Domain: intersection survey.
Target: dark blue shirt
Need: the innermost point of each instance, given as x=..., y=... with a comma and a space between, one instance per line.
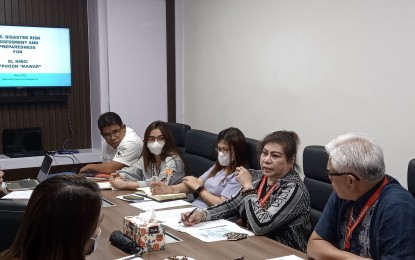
x=386, y=232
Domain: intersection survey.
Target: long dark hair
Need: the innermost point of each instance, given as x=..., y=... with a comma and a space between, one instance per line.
x=237, y=144
x=289, y=141
x=62, y=214
x=169, y=148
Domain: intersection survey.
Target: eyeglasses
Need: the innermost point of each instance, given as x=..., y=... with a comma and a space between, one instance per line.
x=224, y=150
x=115, y=133
x=329, y=174
x=152, y=139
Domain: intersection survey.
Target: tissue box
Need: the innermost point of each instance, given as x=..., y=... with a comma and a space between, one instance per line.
x=150, y=236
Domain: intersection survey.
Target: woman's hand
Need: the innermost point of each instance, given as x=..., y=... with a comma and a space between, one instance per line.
x=244, y=177
x=117, y=182
x=191, y=182
x=115, y=175
x=193, y=219
x=1, y=176
x=158, y=188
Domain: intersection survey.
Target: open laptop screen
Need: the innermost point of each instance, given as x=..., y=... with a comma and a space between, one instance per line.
x=44, y=168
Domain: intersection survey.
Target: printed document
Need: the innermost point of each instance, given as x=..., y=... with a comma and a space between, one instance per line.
x=209, y=231
x=147, y=205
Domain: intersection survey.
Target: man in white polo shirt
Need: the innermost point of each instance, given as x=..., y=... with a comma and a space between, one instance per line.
x=122, y=146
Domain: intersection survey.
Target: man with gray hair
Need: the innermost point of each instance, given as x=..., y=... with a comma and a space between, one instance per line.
x=369, y=214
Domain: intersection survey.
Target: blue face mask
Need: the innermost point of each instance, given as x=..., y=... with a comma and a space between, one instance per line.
x=96, y=240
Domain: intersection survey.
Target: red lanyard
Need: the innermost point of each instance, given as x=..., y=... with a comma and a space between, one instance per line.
x=351, y=227
x=261, y=188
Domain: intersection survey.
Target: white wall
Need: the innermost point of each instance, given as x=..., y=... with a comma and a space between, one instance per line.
x=98, y=62
x=320, y=68
x=128, y=46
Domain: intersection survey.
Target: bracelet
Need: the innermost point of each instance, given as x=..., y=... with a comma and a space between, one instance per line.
x=249, y=192
x=204, y=214
x=199, y=190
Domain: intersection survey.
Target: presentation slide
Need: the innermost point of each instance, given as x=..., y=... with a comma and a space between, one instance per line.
x=34, y=57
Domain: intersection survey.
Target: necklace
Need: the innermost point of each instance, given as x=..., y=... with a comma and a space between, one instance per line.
x=155, y=171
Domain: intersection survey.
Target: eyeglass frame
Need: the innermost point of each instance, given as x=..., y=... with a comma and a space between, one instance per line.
x=224, y=150
x=329, y=174
x=159, y=139
x=115, y=133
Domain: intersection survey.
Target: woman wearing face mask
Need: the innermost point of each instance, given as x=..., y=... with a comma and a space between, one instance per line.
x=273, y=201
x=218, y=183
x=160, y=161
x=61, y=221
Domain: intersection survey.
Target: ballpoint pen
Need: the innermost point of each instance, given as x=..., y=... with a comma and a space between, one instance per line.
x=188, y=215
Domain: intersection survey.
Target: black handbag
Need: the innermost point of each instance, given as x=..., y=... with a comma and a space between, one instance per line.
x=125, y=243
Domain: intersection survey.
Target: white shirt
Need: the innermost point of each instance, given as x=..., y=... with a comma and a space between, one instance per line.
x=127, y=152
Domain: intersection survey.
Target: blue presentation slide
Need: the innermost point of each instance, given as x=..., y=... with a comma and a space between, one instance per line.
x=34, y=57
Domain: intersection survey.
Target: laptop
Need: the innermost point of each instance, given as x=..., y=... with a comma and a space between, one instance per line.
x=30, y=184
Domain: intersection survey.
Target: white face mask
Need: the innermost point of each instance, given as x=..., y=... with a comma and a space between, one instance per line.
x=155, y=147
x=96, y=240
x=224, y=159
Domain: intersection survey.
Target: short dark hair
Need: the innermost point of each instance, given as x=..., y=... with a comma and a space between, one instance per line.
x=289, y=141
x=62, y=214
x=108, y=119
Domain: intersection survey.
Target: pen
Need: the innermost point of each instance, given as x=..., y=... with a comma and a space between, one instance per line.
x=188, y=215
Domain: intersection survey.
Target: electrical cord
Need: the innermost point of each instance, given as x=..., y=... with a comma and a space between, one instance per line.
x=64, y=150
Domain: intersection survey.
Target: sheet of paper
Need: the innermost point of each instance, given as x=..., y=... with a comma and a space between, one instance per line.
x=104, y=185
x=288, y=257
x=147, y=205
x=209, y=231
x=130, y=257
x=171, y=214
x=24, y=194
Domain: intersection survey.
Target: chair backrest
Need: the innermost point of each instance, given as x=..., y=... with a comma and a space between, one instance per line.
x=253, y=158
x=179, y=133
x=411, y=177
x=317, y=182
x=11, y=214
x=199, y=152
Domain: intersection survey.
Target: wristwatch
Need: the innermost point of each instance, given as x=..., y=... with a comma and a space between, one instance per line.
x=199, y=190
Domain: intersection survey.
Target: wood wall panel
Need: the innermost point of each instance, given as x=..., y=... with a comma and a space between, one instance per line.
x=57, y=119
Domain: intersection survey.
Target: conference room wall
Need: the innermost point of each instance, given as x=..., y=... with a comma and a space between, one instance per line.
x=128, y=62
x=320, y=68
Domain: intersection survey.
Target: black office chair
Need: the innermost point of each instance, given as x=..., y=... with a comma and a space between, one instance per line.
x=411, y=177
x=179, y=132
x=253, y=158
x=199, y=152
x=11, y=214
x=317, y=182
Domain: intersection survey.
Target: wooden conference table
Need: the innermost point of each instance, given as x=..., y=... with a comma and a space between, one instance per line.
x=255, y=247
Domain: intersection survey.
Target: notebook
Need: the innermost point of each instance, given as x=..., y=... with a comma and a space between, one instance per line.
x=164, y=197
x=30, y=184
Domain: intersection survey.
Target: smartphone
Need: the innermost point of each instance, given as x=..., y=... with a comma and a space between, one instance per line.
x=132, y=197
